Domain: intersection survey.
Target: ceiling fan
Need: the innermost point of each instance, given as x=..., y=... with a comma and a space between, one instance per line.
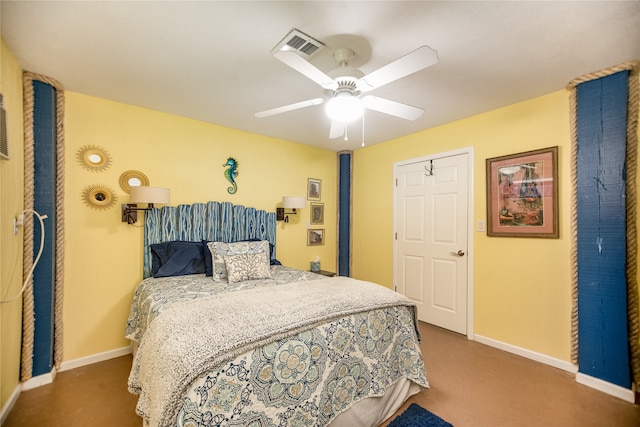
x=344, y=87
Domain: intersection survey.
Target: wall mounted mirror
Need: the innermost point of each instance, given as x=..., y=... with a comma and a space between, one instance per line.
x=132, y=178
x=98, y=197
x=93, y=158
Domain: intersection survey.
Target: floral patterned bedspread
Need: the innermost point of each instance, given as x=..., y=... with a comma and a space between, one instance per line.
x=310, y=378
x=154, y=295
x=303, y=380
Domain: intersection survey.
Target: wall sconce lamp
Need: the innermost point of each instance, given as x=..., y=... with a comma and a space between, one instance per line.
x=143, y=194
x=290, y=202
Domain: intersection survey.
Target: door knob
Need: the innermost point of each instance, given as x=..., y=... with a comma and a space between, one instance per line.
x=459, y=253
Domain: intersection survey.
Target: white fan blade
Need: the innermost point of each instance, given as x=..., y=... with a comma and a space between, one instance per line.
x=306, y=68
x=337, y=129
x=290, y=107
x=393, y=108
x=417, y=60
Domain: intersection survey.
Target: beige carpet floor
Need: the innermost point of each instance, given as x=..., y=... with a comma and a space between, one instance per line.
x=471, y=385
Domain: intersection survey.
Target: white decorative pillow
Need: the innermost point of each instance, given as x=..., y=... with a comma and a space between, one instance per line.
x=247, y=267
x=220, y=249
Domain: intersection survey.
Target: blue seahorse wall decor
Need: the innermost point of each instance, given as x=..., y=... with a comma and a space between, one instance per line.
x=231, y=173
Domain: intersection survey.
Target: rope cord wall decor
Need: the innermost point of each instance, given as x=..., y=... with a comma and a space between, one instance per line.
x=633, y=105
x=28, y=300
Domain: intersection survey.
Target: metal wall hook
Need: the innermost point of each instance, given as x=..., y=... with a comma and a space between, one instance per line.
x=429, y=171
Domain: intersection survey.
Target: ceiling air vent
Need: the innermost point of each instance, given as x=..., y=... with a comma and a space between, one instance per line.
x=297, y=41
x=4, y=142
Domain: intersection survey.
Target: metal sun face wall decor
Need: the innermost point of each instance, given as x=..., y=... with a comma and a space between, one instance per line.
x=93, y=158
x=97, y=159
x=132, y=178
x=99, y=197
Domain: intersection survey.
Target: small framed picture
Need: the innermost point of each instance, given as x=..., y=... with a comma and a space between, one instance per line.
x=314, y=189
x=317, y=213
x=315, y=237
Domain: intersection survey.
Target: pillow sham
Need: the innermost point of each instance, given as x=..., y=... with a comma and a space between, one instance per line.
x=176, y=258
x=208, y=257
x=220, y=249
x=246, y=267
x=158, y=256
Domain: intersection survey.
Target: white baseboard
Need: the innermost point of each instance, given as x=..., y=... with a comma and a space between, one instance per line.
x=595, y=383
x=538, y=357
x=606, y=387
x=10, y=404
x=94, y=358
x=40, y=380
x=48, y=378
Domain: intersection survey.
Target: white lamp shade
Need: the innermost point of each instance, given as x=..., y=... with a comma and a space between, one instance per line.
x=344, y=108
x=292, y=202
x=144, y=194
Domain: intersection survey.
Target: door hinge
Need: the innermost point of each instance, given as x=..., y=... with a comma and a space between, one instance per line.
x=396, y=235
x=396, y=182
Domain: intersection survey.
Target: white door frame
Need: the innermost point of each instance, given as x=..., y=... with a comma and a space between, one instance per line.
x=470, y=223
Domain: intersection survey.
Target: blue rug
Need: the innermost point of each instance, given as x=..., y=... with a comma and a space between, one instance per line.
x=417, y=416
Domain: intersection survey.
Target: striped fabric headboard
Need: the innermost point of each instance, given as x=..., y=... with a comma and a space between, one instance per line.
x=217, y=221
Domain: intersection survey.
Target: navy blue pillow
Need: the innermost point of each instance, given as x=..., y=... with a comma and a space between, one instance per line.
x=208, y=261
x=156, y=260
x=176, y=258
x=159, y=255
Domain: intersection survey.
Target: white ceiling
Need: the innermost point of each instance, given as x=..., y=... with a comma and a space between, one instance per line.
x=211, y=60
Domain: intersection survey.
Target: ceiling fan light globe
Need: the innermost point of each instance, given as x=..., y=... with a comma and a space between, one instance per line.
x=344, y=109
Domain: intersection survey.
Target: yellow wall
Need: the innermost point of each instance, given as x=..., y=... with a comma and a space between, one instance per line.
x=512, y=304
x=103, y=260
x=11, y=189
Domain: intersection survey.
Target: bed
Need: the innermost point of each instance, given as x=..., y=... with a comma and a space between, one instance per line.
x=247, y=341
